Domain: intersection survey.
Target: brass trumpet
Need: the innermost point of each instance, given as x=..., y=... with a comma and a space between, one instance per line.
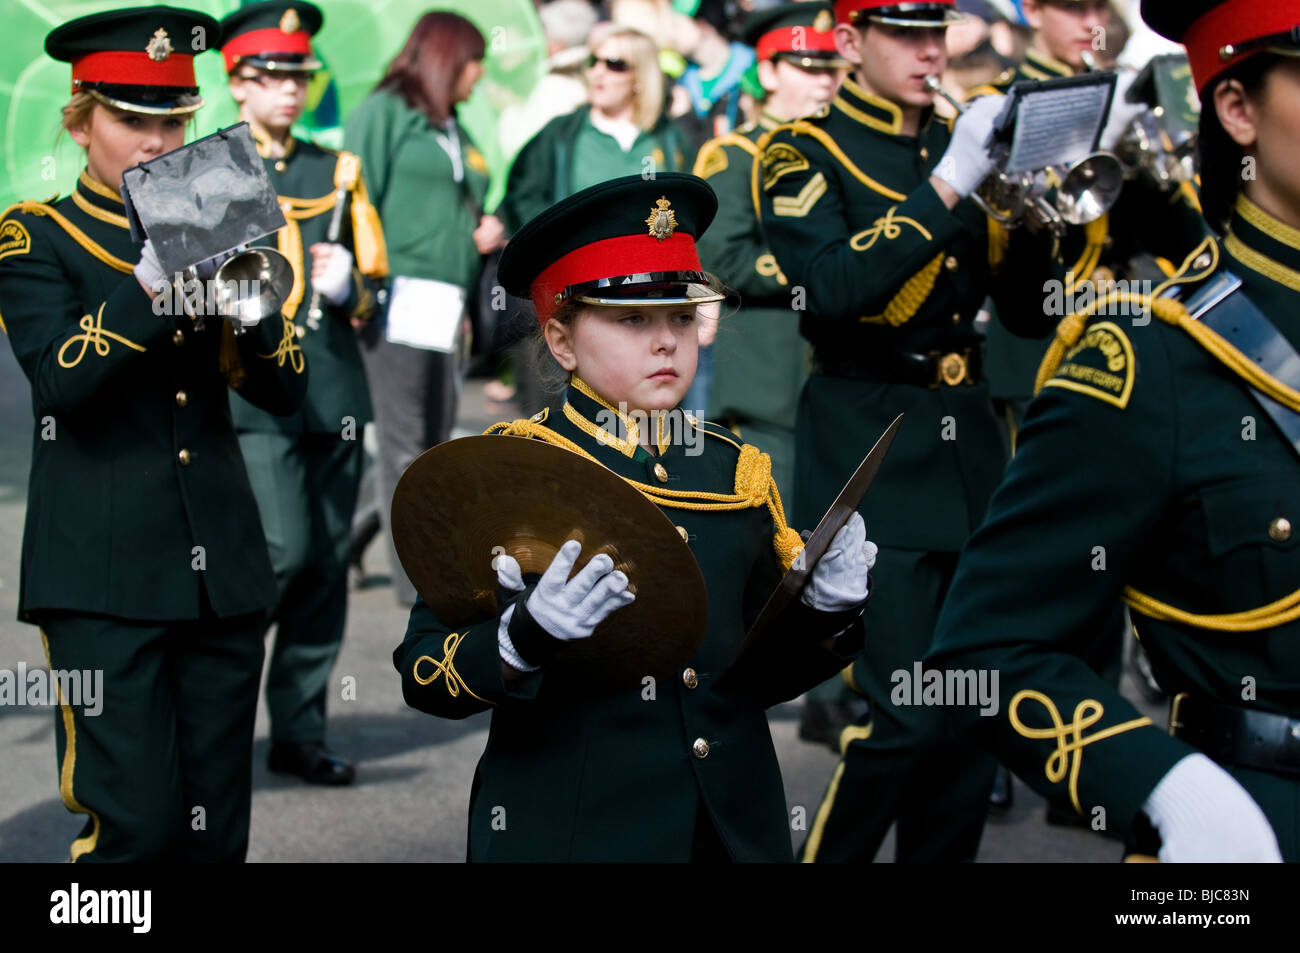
x=1085, y=189
x=1147, y=149
x=253, y=285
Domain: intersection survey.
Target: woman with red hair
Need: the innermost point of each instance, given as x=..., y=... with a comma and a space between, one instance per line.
x=427, y=180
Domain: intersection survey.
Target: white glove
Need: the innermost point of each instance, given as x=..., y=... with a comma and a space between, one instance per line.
x=839, y=580
x=1203, y=814
x=511, y=577
x=565, y=610
x=1122, y=112
x=335, y=281
x=967, y=162
x=148, y=270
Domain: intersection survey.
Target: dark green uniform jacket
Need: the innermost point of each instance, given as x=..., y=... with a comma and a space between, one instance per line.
x=429, y=218
x=589, y=777
x=886, y=269
x=546, y=169
x=759, y=358
x=1144, y=219
x=1144, y=464
x=134, y=459
x=304, y=180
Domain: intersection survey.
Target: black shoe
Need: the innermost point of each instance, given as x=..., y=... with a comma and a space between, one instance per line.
x=315, y=764
x=1003, y=794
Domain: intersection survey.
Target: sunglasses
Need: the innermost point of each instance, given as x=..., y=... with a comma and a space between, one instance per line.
x=613, y=65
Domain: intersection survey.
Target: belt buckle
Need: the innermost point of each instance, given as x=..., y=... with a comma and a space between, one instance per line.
x=1174, y=706
x=951, y=368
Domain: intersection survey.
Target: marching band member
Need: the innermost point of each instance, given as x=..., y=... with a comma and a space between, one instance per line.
x=305, y=469
x=591, y=775
x=143, y=556
x=1158, y=466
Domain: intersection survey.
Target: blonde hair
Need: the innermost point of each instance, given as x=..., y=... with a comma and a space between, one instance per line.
x=648, y=84
x=77, y=111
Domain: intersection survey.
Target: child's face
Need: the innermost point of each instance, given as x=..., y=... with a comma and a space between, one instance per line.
x=641, y=356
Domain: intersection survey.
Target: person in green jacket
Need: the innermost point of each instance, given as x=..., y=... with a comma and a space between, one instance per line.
x=584, y=772
x=1158, y=467
x=305, y=469
x=428, y=182
x=622, y=131
x=143, y=559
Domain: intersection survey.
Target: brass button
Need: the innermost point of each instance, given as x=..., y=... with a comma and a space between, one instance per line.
x=279, y=166
x=660, y=473
x=681, y=531
x=1202, y=261
x=1280, y=529
x=956, y=319
x=950, y=263
x=178, y=338
x=690, y=679
x=300, y=331
x=184, y=457
x=700, y=749
x=182, y=398
x=925, y=153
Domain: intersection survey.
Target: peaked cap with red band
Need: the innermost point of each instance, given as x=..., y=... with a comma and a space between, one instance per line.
x=139, y=59
x=274, y=35
x=1219, y=35
x=626, y=241
x=799, y=31
x=931, y=13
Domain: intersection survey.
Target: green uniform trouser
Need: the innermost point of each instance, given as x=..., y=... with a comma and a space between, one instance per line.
x=162, y=763
x=900, y=766
x=306, y=489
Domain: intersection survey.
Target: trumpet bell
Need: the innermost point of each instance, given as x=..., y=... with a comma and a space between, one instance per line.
x=1089, y=189
x=253, y=285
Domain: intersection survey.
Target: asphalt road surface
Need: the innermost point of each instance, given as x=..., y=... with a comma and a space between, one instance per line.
x=413, y=771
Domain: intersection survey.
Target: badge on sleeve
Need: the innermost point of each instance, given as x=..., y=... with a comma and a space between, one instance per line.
x=780, y=159
x=1100, y=365
x=14, y=239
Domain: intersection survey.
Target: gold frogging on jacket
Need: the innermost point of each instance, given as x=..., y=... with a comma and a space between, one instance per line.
x=886, y=225
x=93, y=333
x=446, y=668
x=1070, y=739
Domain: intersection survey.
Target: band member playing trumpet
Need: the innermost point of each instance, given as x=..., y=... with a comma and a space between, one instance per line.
x=688, y=771
x=143, y=557
x=1158, y=466
x=306, y=469
x=1145, y=220
x=864, y=208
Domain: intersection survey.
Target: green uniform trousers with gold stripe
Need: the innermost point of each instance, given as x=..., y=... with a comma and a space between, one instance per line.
x=896, y=765
x=163, y=769
x=306, y=489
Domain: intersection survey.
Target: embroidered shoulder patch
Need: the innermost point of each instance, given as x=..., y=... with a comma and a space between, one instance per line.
x=715, y=161
x=14, y=239
x=1101, y=365
x=780, y=159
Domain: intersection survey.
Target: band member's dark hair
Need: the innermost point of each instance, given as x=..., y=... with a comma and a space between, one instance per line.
x=1220, y=157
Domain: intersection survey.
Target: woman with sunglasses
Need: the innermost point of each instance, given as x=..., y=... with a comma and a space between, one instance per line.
x=428, y=182
x=1158, y=466
x=143, y=561
x=622, y=131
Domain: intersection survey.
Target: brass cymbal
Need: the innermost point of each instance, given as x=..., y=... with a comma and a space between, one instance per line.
x=464, y=502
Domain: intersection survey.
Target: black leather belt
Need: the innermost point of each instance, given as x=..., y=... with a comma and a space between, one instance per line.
x=934, y=369
x=1242, y=737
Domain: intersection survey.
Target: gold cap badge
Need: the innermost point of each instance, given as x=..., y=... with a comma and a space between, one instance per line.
x=823, y=22
x=662, y=220
x=160, y=47
x=289, y=23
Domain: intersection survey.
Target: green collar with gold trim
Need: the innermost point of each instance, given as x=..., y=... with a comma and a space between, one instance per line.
x=1264, y=244
x=610, y=425
x=873, y=111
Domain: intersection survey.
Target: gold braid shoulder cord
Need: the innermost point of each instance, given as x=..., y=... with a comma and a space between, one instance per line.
x=754, y=485
x=1170, y=311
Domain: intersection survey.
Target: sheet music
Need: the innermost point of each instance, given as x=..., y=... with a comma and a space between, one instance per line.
x=1056, y=126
